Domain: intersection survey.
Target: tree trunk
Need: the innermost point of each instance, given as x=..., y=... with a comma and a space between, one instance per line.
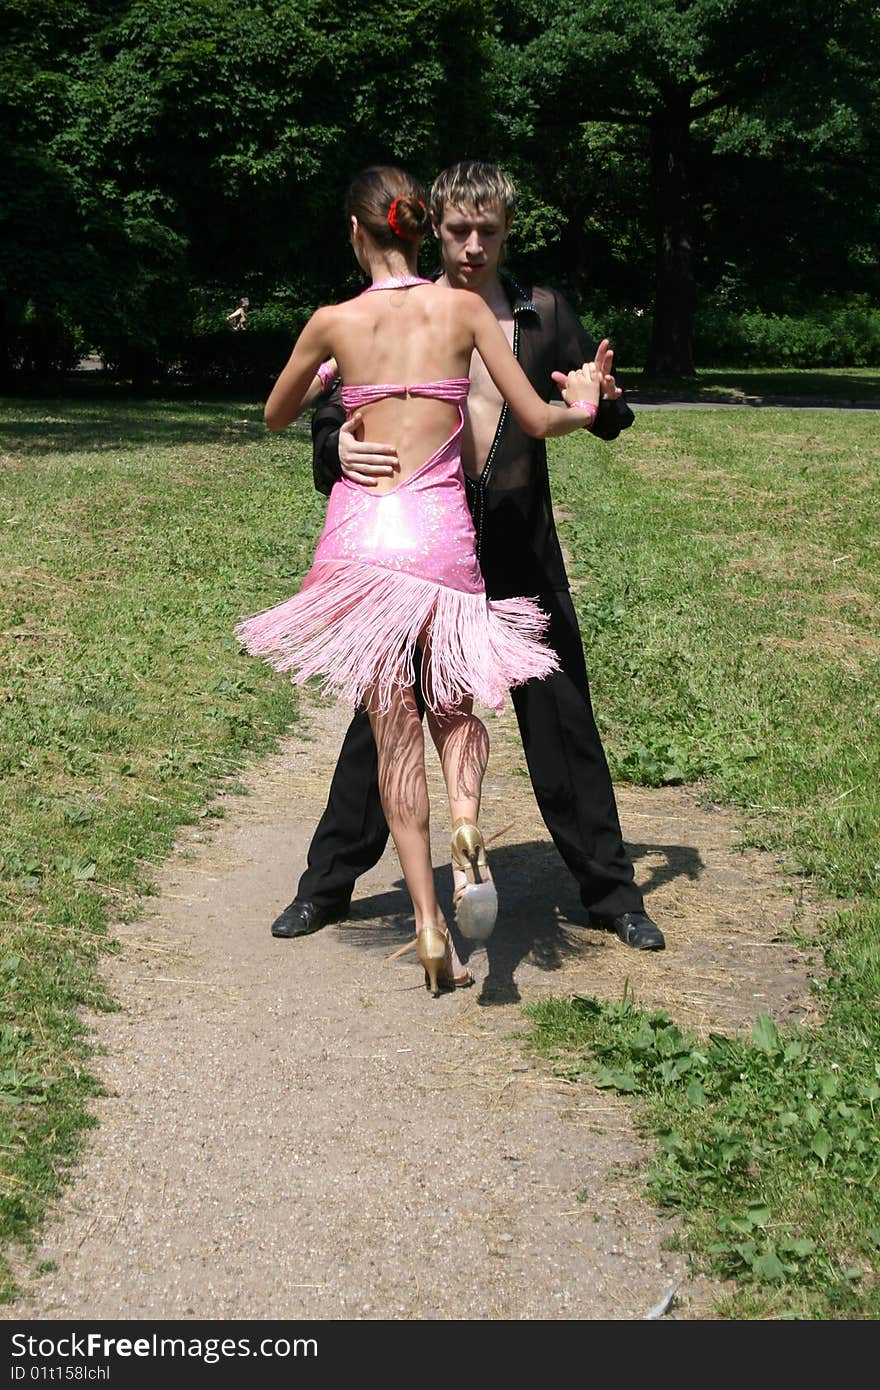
x=671, y=352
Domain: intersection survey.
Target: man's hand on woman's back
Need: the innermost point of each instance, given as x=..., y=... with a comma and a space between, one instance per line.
x=364, y=460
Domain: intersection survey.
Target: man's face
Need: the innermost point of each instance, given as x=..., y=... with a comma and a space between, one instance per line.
x=470, y=243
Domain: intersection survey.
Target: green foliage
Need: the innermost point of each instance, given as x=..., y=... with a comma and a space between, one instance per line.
x=686, y=147
x=212, y=354
x=202, y=149
x=159, y=155
x=769, y=1143
x=629, y=330
x=728, y=580
x=827, y=337
x=830, y=335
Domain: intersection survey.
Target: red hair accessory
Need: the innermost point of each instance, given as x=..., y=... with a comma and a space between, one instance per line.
x=394, y=221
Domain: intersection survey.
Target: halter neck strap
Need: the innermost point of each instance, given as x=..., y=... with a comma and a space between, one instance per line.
x=396, y=282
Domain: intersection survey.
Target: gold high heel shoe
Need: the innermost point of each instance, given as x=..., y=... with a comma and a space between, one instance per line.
x=476, y=900
x=432, y=949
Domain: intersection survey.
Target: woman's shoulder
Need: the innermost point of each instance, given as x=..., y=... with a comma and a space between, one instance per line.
x=346, y=311
x=455, y=296
x=462, y=304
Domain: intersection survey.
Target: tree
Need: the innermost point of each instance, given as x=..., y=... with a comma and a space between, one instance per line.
x=238, y=126
x=201, y=148
x=699, y=82
x=46, y=263
x=162, y=157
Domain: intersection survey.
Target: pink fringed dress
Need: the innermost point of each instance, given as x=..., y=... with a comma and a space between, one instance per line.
x=396, y=566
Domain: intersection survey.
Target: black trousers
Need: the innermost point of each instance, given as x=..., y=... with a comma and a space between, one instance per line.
x=566, y=763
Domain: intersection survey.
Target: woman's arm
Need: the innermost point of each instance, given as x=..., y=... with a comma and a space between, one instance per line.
x=320, y=385
x=536, y=417
x=289, y=394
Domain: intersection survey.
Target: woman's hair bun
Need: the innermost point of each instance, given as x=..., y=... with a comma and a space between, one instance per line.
x=408, y=217
x=389, y=203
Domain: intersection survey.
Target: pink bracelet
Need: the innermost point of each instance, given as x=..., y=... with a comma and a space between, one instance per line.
x=586, y=405
x=326, y=376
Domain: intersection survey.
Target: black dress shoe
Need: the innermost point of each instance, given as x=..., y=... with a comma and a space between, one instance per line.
x=302, y=916
x=634, y=929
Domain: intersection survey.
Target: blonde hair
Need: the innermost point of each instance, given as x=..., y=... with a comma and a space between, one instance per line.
x=475, y=184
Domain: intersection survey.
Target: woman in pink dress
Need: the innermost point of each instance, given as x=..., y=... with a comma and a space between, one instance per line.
x=396, y=565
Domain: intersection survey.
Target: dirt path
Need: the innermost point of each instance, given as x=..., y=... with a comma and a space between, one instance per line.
x=295, y=1129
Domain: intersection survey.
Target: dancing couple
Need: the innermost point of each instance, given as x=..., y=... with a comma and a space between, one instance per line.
x=394, y=612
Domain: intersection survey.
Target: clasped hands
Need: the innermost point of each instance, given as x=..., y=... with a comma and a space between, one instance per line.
x=364, y=461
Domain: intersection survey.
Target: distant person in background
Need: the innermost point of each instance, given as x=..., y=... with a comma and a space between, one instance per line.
x=238, y=317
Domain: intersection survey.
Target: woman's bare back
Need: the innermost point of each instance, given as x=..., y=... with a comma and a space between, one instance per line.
x=424, y=333
x=402, y=337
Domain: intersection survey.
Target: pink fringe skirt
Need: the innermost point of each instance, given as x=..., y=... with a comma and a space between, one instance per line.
x=357, y=626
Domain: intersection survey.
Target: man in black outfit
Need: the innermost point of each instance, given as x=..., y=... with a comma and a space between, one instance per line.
x=508, y=488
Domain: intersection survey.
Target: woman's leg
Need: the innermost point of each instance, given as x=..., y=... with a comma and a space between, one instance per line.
x=462, y=741
x=403, y=788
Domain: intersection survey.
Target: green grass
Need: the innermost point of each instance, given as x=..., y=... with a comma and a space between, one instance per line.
x=730, y=607
x=768, y=1145
x=843, y=384
x=729, y=591
x=133, y=536
x=729, y=600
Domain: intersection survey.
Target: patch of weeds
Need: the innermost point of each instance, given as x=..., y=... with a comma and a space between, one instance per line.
x=656, y=763
x=769, y=1144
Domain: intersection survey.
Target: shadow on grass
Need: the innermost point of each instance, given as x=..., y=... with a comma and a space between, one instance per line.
x=541, y=914
x=63, y=426
x=756, y=387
